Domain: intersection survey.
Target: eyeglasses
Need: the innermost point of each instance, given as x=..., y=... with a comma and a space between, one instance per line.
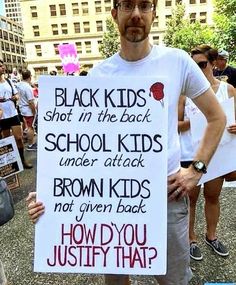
x=202, y=64
x=128, y=7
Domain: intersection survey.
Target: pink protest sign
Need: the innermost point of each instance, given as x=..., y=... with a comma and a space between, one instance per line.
x=68, y=54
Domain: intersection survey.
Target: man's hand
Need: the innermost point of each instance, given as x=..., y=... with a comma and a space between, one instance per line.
x=181, y=183
x=232, y=129
x=35, y=209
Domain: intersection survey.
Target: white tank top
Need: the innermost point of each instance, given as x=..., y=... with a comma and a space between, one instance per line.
x=187, y=152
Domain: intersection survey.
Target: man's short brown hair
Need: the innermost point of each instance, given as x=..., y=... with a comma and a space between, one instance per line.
x=115, y=1
x=26, y=74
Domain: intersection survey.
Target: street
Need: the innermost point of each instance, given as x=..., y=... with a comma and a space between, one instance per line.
x=16, y=239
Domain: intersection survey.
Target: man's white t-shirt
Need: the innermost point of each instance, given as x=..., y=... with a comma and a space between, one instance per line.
x=181, y=72
x=26, y=95
x=8, y=107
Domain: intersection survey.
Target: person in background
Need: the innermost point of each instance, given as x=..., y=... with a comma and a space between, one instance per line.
x=205, y=57
x=27, y=107
x=138, y=57
x=222, y=70
x=15, y=76
x=83, y=73
x=53, y=72
x=10, y=123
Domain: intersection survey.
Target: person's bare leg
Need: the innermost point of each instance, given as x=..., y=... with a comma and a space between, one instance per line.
x=212, y=191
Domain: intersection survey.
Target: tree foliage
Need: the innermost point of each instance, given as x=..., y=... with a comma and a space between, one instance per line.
x=110, y=41
x=225, y=26
x=181, y=33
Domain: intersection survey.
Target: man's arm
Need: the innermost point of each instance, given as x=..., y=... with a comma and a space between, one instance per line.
x=186, y=179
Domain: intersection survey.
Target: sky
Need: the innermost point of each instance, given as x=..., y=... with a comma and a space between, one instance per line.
x=2, y=11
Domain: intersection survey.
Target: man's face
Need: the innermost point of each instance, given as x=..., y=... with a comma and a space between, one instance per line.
x=134, y=19
x=2, y=68
x=221, y=63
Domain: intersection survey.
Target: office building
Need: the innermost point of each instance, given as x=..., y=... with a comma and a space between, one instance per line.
x=49, y=23
x=12, y=50
x=13, y=10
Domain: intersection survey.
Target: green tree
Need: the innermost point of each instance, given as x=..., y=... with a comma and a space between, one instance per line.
x=181, y=33
x=110, y=41
x=225, y=26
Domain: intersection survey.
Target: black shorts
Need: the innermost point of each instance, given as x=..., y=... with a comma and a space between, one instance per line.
x=185, y=164
x=6, y=124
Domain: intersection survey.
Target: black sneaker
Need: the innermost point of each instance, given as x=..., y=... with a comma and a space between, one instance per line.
x=195, y=252
x=217, y=246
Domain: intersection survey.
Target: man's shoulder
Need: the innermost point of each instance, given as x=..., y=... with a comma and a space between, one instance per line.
x=104, y=65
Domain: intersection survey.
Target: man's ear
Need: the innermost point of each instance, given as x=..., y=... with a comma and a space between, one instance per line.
x=114, y=14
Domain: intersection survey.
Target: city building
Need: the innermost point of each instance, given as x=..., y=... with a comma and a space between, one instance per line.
x=13, y=10
x=12, y=50
x=49, y=23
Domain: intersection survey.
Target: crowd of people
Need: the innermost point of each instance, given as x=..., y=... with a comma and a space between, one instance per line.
x=199, y=86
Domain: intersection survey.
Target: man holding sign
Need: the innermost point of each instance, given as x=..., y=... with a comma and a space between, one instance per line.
x=181, y=75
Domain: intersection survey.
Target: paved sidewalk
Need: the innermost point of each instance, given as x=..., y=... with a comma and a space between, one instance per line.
x=16, y=246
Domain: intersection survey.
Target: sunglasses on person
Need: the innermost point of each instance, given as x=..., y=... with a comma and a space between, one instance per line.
x=202, y=64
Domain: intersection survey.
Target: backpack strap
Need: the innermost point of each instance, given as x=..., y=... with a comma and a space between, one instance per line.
x=9, y=82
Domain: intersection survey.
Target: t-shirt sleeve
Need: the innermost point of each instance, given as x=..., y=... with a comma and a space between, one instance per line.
x=29, y=93
x=194, y=82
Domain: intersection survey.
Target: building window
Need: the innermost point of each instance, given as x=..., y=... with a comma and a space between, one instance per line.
x=10, y=36
x=156, y=22
x=62, y=9
x=56, y=48
x=156, y=40
x=64, y=29
x=55, y=29
x=178, y=1
x=5, y=35
x=77, y=28
x=79, y=47
x=38, y=50
x=88, y=47
x=16, y=39
x=75, y=8
x=33, y=10
x=7, y=47
x=14, y=59
x=168, y=17
x=168, y=3
x=203, y=1
x=192, y=1
x=36, y=31
x=107, y=5
x=53, y=10
x=98, y=7
x=40, y=71
x=13, y=49
x=85, y=9
x=99, y=26
x=86, y=27
x=192, y=17
x=203, y=17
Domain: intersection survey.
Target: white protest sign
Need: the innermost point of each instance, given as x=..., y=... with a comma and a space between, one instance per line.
x=102, y=175
x=224, y=159
x=10, y=161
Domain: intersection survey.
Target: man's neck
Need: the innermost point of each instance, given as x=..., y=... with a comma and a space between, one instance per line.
x=135, y=51
x=2, y=79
